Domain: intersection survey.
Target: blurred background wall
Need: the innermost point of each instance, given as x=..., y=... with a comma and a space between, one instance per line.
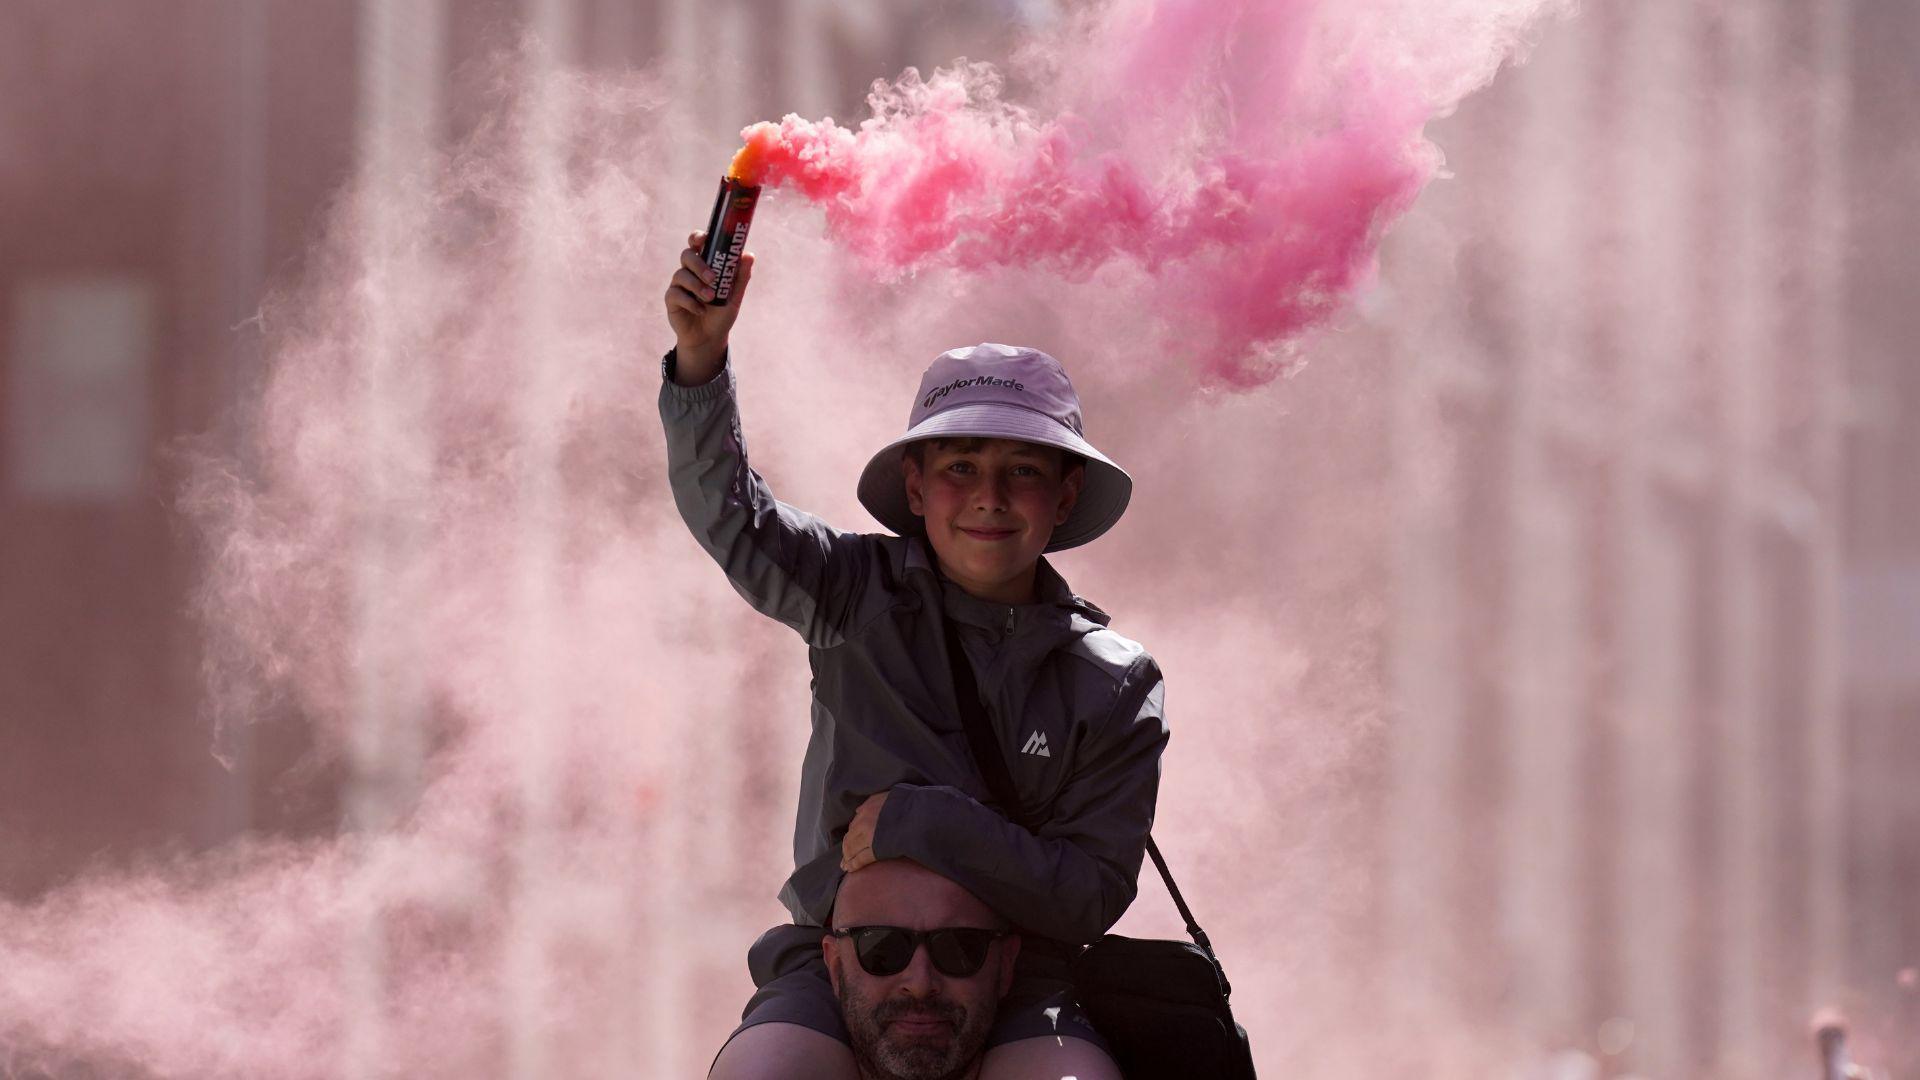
x=1652, y=579
x=1656, y=564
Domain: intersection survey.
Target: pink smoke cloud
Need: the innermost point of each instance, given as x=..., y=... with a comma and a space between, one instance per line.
x=1247, y=156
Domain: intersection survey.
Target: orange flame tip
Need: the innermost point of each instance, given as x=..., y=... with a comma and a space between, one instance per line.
x=750, y=164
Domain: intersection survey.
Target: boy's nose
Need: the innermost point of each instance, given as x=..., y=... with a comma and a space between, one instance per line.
x=991, y=494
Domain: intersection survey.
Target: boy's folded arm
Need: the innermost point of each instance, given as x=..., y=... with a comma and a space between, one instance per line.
x=788, y=563
x=1075, y=877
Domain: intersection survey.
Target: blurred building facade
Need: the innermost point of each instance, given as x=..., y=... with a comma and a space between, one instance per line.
x=1657, y=701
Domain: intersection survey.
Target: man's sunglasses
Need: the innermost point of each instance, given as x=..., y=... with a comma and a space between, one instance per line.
x=956, y=951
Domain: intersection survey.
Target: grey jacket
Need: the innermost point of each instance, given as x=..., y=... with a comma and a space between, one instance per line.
x=1076, y=707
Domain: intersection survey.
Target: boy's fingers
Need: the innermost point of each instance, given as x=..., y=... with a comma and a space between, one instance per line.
x=678, y=297
x=692, y=283
x=695, y=239
x=690, y=259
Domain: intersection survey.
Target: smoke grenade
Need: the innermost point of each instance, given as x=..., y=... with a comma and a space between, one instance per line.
x=732, y=213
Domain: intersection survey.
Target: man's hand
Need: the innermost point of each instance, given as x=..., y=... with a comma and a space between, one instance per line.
x=699, y=328
x=856, y=850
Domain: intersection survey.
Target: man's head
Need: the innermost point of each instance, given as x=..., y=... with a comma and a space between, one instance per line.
x=916, y=1021
x=990, y=507
x=1002, y=402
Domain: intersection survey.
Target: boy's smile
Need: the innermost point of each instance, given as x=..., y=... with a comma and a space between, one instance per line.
x=990, y=507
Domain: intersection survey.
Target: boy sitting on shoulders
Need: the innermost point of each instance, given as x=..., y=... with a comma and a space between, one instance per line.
x=992, y=472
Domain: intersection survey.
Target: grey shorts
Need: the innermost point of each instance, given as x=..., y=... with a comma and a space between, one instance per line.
x=791, y=983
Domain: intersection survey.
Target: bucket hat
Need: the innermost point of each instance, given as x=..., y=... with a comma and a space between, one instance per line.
x=991, y=391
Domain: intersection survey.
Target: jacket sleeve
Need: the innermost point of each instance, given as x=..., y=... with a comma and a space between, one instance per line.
x=786, y=562
x=1075, y=876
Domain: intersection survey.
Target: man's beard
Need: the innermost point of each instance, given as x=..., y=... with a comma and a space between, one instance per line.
x=896, y=1056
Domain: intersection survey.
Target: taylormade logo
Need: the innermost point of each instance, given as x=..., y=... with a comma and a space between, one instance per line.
x=939, y=392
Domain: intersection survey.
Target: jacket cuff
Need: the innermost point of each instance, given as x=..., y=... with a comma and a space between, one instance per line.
x=886, y=830
x=935, y=824
x=718, y=386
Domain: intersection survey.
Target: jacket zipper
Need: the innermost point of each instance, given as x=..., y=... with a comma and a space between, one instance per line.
x=1009, y=622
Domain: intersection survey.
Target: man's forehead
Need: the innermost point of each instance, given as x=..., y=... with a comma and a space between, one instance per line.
x=896, y=892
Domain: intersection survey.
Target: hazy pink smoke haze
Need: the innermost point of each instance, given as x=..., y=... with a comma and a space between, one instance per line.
x=446, y=545
x=1246, y=156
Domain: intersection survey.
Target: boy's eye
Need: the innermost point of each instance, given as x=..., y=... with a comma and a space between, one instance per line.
x=960, y=467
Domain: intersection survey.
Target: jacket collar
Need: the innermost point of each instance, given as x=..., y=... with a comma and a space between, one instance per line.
x=1057, y=601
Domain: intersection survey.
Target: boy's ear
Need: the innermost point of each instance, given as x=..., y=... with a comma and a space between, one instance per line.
x=915, y=498
x=1070, y=486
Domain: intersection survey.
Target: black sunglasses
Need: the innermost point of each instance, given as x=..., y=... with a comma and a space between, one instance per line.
x=956, y=951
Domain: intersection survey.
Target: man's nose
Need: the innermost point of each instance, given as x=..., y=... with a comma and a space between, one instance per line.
x=918, y=979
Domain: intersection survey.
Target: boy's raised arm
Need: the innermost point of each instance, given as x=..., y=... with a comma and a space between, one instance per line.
x=788, y=564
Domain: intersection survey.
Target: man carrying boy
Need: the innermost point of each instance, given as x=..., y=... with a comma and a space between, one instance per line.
x=992, y=472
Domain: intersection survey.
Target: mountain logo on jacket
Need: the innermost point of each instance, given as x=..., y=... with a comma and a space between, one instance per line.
x=1036, y=745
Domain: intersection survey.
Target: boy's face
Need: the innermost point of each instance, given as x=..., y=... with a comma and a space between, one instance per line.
x=990, y=507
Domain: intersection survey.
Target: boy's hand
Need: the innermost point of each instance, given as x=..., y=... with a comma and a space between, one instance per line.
x=856, y=849
x=699, y=328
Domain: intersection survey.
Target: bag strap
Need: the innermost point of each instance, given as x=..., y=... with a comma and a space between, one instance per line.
x=1198, y=935
x=993, y=766
x=973, y=717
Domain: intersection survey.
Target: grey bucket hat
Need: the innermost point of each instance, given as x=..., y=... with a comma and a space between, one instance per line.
x=994, y=391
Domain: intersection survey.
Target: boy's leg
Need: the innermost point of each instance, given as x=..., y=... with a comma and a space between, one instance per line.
x=778, y=1051
x=1042, y=1032
x=1048, y=1057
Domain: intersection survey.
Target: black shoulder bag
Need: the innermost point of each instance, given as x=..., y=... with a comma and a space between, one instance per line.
x=1161, y=1005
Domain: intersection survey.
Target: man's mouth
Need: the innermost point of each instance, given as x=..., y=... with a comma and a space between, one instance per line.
x=920, y=1025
